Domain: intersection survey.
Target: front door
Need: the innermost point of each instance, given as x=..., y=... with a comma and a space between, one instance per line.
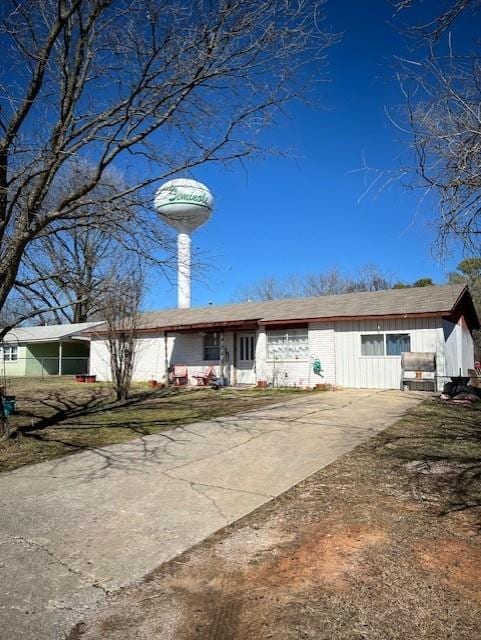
x=246, y=358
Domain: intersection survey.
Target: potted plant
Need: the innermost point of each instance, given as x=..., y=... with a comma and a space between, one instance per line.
x=152, y=384
x=90, y=378
x=80, y=377
x=262, y=384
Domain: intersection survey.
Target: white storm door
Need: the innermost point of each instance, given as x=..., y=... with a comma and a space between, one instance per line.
x=246, y=358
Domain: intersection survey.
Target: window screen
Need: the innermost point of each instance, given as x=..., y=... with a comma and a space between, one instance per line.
x=372, y=345
x=397, y=343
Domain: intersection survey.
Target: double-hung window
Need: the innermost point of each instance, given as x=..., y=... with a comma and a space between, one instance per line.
x=385, y=344
x=288, y=344
x=211, y=346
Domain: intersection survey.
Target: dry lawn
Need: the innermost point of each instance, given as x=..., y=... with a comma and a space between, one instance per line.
x=57, y=417
x=384, y=544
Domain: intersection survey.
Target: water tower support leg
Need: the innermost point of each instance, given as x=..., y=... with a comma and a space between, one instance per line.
x=183, y=270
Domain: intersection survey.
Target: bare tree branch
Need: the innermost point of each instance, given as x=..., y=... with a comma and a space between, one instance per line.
x=152, y=89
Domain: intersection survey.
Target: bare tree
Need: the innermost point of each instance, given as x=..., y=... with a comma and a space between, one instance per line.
x=271, y=288
x=445, y=16
x=152, y=88
x=330, y=282
x=121, y=321
x=70, y=271
x=442, y=86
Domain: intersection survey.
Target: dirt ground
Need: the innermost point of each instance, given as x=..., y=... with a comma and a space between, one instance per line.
x=384, y=544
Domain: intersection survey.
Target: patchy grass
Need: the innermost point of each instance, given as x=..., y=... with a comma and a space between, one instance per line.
x=382, y=544
x=58, y=417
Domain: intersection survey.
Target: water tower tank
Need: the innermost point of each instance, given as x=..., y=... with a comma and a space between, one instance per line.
x=185, y=205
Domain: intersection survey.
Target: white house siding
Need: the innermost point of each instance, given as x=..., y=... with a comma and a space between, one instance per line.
x=459, y=347
x=383, y=372
x=16, y=367
x=299, y=373
x=262, y=369
x=149, y=358
x=336, y=345
x=99, y=359
x=467, y=347
x=187, y=349
x=182, y=349
x=322, y=345
x=279, y=373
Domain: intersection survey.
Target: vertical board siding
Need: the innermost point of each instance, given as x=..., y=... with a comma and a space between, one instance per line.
x=383, y=372
x=322, y=345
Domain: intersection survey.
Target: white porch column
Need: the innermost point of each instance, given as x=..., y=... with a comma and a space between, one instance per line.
x=60, y=352
x=222, y=356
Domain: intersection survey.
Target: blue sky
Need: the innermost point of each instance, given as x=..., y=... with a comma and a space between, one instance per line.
x=306, y=213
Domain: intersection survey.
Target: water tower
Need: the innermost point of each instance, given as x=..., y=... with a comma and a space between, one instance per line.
x=183, y=204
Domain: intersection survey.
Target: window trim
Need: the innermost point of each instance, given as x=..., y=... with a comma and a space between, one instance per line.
x=384, y=334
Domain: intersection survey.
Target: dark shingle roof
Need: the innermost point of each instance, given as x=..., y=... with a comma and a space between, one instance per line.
x=416, y=301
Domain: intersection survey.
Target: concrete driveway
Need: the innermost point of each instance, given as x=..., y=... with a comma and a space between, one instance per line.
x=75, y=528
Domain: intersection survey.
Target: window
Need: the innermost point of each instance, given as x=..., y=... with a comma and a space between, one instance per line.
x=247, y=352
x=211, y=346
x=10, y=353
x=385, y=344
x=372, y=345
x=397, y=343
x=291, y=344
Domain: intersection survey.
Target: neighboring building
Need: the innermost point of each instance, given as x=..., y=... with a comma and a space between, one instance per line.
x=46, y=350
x=358, y=338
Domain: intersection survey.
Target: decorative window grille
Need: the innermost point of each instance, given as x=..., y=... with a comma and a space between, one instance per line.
x=288, y=344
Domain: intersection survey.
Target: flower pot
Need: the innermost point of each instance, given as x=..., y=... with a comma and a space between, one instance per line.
x=152, y=384
x=90, y=379
x=262, y=384
x=80, y=378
